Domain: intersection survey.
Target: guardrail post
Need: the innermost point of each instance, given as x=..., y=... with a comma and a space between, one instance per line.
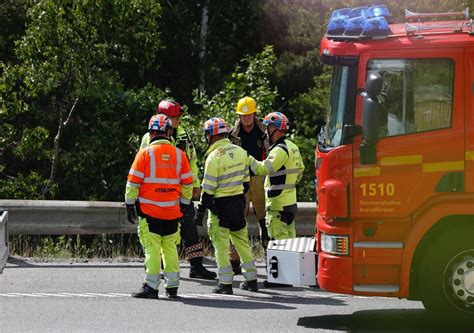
x=3, y=239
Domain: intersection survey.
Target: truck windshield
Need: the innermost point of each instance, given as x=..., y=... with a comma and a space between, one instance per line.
x=337, y=106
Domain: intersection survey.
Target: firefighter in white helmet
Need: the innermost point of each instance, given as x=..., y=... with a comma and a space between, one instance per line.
x=283, y=169
x=159, y=186
x=189, y=233
x=225, y=181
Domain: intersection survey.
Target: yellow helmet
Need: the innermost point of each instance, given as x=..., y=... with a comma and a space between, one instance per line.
x=246, y=106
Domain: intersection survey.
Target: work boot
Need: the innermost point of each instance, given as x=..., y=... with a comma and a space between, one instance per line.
x=236, y=267
x=249, y=285
x=198, y=271
x=172, y=292
x=225, y=289
x=146, y=292
x=267, y=284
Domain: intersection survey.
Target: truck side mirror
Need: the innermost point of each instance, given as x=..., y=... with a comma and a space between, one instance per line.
x=370, y=119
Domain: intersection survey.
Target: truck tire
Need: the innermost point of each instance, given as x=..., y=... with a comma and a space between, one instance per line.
x=446, y=275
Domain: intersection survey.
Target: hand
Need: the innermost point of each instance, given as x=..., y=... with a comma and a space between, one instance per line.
x=196, y=193
x=132, y=216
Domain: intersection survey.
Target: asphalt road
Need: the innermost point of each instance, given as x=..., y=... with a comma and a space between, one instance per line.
x=95, y=296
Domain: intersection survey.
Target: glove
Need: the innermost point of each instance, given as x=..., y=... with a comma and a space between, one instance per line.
x=185, y=211
x=132, y=216
x=199, y=216
x=207, y=201
x=184, y=208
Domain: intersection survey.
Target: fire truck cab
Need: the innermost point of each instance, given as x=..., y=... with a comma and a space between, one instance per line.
x=395, y=161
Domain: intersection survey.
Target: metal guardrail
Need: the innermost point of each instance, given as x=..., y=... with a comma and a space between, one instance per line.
x=3, y=239
x=51, y=217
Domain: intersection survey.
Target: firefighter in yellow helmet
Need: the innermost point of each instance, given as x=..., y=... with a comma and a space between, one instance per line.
x=250, y=134
x=226, y=176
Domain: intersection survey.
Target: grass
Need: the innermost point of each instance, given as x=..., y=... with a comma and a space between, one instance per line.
x=104, y=246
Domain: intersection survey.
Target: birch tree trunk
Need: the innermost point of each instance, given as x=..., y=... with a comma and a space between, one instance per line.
x=202, y=45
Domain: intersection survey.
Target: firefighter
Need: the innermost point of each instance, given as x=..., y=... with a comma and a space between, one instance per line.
x=158, y=189
x=225, y=181
x=250, y=134
x=189, y=233
x=283, y=169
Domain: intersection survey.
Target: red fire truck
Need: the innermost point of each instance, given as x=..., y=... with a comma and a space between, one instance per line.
x=395, y=161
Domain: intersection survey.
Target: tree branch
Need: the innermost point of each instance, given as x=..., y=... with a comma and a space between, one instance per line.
x=55, y=159
x=68, y=119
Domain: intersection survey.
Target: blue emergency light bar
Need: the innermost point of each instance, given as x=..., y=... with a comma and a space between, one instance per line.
x=360, y=22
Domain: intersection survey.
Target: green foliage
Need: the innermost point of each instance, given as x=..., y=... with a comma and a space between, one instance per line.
x=101, y=144
x=118, y=59
x=85, y=51
x=22, y=186
x=309, y=110
x=13, y=18
x=32, y=141
x=231, y=34
x=76, y=246
x=117, y=246
x=250, y=78
x=295, y=30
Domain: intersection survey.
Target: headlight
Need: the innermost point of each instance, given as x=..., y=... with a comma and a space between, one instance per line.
x=335, y=244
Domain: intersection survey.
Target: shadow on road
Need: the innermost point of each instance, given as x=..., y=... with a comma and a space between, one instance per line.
x=393, y=320
x=301, y=299
x=235, y=304
x=198, y=281
x=277, y=302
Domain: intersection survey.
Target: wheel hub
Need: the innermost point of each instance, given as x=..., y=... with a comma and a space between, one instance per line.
x=461, y=281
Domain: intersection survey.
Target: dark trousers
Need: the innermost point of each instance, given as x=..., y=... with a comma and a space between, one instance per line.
x=189, y=232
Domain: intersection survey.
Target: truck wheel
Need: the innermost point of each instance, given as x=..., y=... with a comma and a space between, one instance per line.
x=447, y=275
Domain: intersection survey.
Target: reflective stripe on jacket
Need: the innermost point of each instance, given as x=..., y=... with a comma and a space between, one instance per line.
x=161, y=178
x=182, y=141
x=226, y=169
x=283, y=169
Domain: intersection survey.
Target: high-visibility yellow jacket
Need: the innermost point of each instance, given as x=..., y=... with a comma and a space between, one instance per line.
x=184, y=142
x=283, y=169
x=225, y=170
x=161, y=179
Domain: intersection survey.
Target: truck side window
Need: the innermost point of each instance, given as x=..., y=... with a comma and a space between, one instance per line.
x=417, y=94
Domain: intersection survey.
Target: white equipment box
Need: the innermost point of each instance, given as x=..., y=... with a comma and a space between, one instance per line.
x=292, y=261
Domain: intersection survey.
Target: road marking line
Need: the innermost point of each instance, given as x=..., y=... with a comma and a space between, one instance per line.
x=54, y=295
x=9, y=295
x=252, y=297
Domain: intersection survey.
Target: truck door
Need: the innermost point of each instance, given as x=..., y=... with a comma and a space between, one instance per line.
x=420, y=152
x=469, y=116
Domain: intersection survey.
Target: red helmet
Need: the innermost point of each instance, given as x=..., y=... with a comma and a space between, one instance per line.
x=169, y=108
